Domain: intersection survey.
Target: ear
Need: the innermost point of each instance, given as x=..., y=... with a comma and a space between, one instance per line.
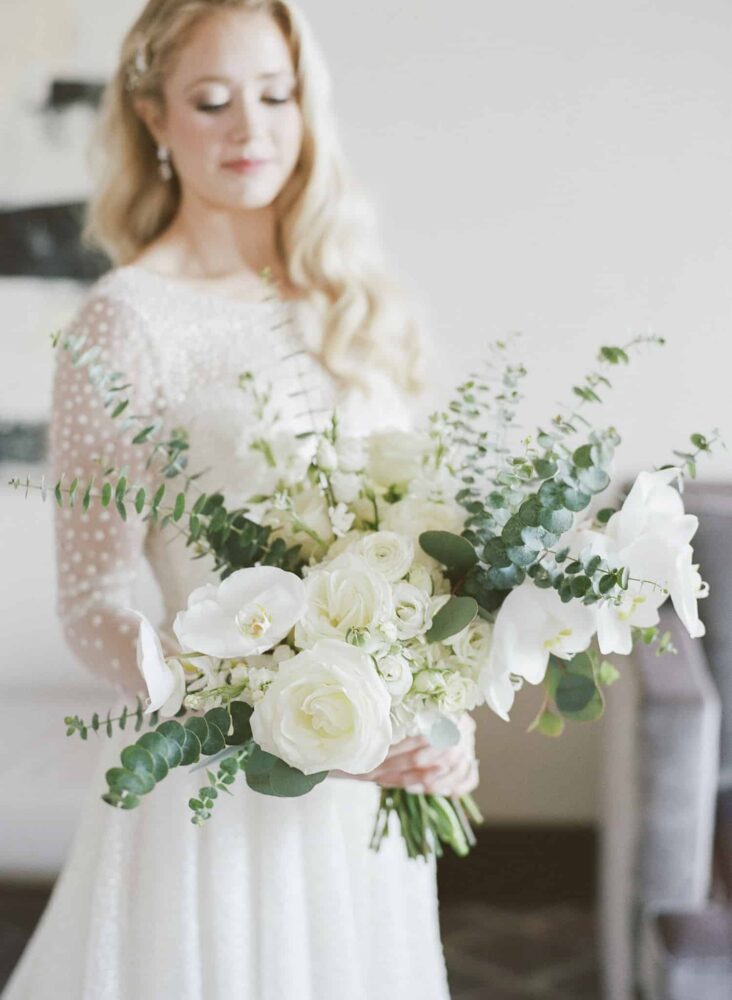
x=150, y=113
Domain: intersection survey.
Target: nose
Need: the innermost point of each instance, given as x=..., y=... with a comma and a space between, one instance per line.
x=247, y=121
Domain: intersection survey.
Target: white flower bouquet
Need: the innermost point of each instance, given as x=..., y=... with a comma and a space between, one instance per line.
x=381, y=587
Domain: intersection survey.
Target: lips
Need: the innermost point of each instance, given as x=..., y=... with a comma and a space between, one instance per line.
x=244, y=165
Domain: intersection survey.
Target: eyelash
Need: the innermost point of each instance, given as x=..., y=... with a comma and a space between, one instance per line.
x=213, y=108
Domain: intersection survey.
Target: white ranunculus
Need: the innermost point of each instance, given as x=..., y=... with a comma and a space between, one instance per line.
x=352, y=453
x=343, y=594
x=248, y=612
x=326, y=708
x=397, y=675
x=412, y=610
x=531, y=624
x=396, y=456
x=388, y=552
x=165, y=679
x=472, y=645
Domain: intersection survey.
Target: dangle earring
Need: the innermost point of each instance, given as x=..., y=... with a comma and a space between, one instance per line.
x=166, y=170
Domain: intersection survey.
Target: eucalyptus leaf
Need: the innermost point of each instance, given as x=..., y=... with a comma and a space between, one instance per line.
x=453, y=551
x=452, y=618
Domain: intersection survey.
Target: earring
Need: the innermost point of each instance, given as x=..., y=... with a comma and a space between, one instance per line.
x=164, y=167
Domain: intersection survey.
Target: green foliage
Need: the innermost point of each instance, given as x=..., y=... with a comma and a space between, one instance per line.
x=455, y=553
x=452, y=618
x=428, y=823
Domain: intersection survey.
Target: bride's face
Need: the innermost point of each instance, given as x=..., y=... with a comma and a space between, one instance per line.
x=232, y=119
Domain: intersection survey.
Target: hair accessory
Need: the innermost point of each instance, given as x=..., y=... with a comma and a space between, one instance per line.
x=164, y=166
x=139, y=65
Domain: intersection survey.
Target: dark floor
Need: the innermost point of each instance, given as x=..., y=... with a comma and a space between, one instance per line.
x=492, y=952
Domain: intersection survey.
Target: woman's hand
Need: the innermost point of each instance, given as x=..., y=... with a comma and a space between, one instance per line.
x=417, y=766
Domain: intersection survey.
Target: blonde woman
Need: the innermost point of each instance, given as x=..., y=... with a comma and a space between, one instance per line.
x=218, y=158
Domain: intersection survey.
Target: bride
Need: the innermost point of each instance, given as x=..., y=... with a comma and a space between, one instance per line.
x=218, y=159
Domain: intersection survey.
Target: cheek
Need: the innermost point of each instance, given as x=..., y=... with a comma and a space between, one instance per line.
x=193, y=134
x=289, y=132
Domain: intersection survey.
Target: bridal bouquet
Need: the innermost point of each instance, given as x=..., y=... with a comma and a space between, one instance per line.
x=380, y=587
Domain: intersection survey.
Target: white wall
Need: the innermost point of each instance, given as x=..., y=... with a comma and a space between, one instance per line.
x=560, y=168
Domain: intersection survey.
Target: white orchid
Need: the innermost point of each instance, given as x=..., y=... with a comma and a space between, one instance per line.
x=165, y=678
x=652, y=507
x=531, y=624
x=249, y=612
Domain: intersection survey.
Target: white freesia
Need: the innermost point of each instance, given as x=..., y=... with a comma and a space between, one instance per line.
x=270, y=458
x=412, y=610
x=531, y=624
x=341, y=519
x=397, y=675
x=326, y=456
x=388, y=552
x=248, y=612
x=326, y=708
x=396, y=456
x=343, y=594
x=165, y=679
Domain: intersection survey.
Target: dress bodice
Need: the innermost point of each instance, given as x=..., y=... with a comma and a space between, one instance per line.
x=182, y=352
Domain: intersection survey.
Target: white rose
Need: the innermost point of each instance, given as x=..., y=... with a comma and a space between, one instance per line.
x=248, y=612
x=396, y=456
x=397, y=675
x=388, y=552
x=419, y=576
x=412, y=611
x=429, y=682
x=325, y=708
x=341, y=595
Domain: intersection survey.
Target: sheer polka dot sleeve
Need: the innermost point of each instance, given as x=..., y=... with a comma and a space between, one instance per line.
x=97, y=553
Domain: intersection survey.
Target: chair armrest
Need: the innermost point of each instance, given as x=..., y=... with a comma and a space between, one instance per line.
x=679, y=720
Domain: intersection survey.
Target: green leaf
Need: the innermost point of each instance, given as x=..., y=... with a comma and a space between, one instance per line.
x=452, y=618
x=548, y=724
x=593, y=480
x=545, y=468
x=283, y=781
x=140, y=500
x=180, y=506
x=220, y=717
x=120, y=779
x=574, y=693
x=191, y=748
x=121, y=509
x=453, y=551
x=495, y=552
x=575, y=500
x=137, y=758
x=557, y=520
x=168, y=749
x=607, y=673
x=241, y=713
x=604, y=515
x=582, y=457
x=106, y=494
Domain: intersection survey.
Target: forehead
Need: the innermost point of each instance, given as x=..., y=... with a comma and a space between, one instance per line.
x=239, y=44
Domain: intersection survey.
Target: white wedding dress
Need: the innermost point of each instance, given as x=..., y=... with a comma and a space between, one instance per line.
x=272, y=899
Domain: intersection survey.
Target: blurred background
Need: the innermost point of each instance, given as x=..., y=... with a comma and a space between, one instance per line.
x=557, y=169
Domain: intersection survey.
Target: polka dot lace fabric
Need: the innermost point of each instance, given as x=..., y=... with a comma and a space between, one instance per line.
x=273, y=899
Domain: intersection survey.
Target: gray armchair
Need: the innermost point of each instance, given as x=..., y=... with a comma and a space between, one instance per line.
x=665, y=877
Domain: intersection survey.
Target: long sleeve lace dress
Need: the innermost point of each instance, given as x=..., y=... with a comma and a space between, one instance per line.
x=272, y=899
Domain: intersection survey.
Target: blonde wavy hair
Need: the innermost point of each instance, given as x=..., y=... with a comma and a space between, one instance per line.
x=326, y=234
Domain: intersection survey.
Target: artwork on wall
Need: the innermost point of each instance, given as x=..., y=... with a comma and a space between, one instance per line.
x=44, y=267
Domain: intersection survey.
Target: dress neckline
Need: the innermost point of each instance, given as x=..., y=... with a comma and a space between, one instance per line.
x=182, y=287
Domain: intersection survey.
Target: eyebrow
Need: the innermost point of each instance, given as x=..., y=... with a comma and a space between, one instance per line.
x=226, y=79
